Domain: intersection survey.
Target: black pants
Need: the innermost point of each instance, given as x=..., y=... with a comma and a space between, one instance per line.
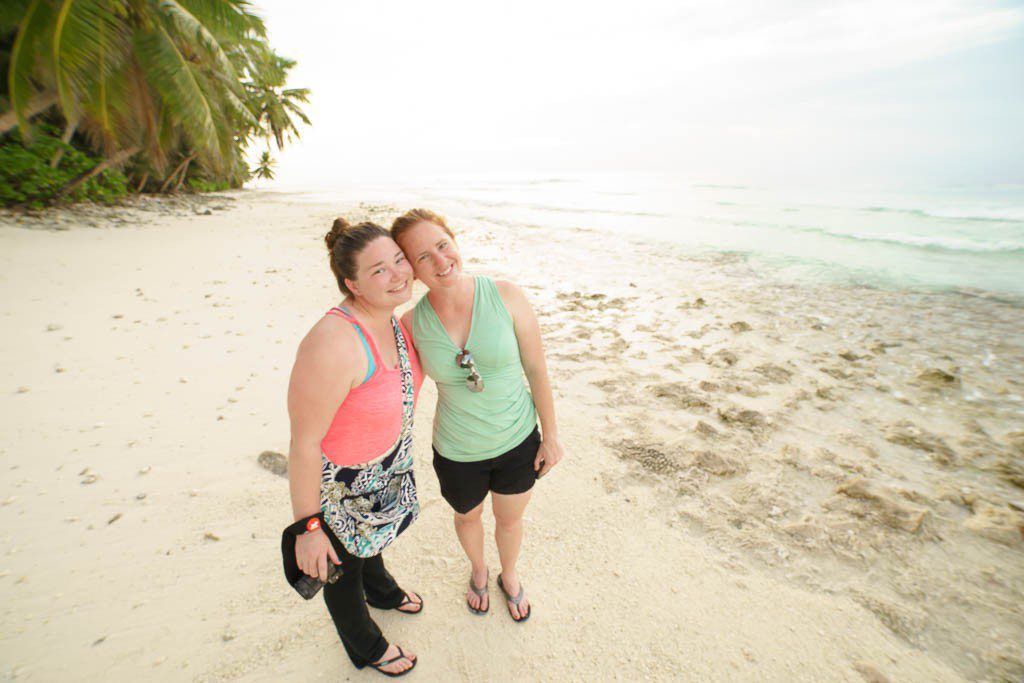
x=363, y=580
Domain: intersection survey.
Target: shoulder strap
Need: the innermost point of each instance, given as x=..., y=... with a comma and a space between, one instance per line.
x=408, y=382
x=425, y=323
x=371, y=365
x=486, y=287
x=487, y=293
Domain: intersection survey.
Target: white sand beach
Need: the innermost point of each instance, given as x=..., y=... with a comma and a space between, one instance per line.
x=764, y=480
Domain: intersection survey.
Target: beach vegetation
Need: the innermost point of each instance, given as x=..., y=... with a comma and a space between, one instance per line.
x=28, y=178
x=168, y=95
x=204, y=185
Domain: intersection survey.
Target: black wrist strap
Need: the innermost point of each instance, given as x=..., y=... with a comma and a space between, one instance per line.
x=299, y=527
x=305, y=585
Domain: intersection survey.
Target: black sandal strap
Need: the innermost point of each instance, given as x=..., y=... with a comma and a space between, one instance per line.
x=389, y=662
x=406, y=600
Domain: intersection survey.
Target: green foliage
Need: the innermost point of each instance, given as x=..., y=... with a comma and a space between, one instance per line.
x=204, y=185
x=27, y=179
x=178, y=88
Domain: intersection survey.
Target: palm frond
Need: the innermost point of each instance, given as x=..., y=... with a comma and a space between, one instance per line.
x=119, y=112
x=185, y=23
x=294, y=108
x=226, y=19
x=34, y=32
x=89, y=43
x=168, y=73
x=300, y=94
x=11, y=14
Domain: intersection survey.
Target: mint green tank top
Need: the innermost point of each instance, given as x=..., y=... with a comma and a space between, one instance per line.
x=472, y=426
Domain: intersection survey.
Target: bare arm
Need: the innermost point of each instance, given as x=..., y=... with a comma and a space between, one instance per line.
x=531, y=352
x=320, y=381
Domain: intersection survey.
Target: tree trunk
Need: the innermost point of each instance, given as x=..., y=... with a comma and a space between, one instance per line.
x=119, y=158
x=69, y=130
x=170, y=179
x=37, y=105
x=181, y=179
x=142, y=183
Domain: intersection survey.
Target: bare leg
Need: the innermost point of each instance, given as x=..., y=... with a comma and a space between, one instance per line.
x=508, y=534
x=469, y=528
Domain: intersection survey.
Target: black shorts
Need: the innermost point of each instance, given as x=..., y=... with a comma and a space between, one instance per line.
x=465, y=484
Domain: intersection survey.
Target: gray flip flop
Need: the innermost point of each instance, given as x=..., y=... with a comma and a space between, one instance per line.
x=516, y=600
x=480, y=593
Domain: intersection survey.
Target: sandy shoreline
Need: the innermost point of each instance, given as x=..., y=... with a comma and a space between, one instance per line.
x=765, y=481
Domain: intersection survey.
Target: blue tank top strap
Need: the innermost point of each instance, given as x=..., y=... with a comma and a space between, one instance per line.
x=371, y=365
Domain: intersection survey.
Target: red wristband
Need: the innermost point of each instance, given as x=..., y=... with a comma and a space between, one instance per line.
x=313, y=524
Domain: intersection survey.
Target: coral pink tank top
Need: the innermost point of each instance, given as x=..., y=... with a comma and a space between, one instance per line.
x=368, y=422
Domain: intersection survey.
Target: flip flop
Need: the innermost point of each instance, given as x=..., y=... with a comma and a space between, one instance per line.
x=516, y=600
x=379, y=666
x=405, y=602
x=480, y=593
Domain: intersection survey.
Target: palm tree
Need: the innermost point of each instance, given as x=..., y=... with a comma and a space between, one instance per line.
x=273, y=104
x=265, y=167
x=158, y=80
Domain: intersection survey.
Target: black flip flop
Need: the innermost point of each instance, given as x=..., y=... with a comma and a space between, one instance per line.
x=480, y=593
x=516, y=600
x=394, y=674
x=405, y=601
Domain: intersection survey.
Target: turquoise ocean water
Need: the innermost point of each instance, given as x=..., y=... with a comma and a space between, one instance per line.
x=969, y=239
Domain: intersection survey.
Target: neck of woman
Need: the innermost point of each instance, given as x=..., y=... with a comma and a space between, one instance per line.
x=371, y=315
x=450, y=297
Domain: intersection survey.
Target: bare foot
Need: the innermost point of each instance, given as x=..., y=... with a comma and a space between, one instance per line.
x=478, y=602
x=404, y=661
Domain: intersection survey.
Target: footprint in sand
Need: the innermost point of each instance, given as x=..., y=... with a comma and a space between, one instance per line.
x=1002, y=525
x=774, y=373
x=692, y=355
x=751, y=420
x=872, y=498
x=827, y=393
x=680, y=396
x=717, y=464
x=836, y=372
x=706, y=430
x=911, y=436
x=936, y=379
x=722, y=359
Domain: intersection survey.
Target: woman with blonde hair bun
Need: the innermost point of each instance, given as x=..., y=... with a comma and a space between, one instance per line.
x=351, y=399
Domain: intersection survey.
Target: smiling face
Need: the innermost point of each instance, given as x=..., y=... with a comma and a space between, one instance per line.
x=383, y=275
x=433, y=254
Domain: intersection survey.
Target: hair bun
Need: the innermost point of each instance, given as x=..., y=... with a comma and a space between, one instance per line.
x=337, y=230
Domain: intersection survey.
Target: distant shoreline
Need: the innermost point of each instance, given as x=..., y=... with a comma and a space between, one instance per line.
x=775, y=268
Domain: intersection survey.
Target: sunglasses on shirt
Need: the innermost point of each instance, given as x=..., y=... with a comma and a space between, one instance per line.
x=464, y=359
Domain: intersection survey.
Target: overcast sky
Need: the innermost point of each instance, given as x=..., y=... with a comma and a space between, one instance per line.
x=865, y=91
